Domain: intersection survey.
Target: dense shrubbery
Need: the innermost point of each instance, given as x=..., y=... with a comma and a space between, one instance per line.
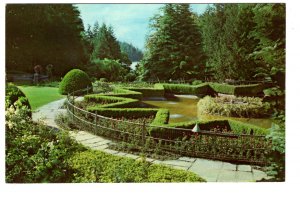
x=238, y=107
x=35, y=153
x=94, y=166
x=74, y=80
x=150, y=92
x=15, y=97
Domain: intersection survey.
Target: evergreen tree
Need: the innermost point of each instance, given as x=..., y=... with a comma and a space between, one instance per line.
x=134, y=54
x=106, y=45
x=173, y=50
x=225, y=30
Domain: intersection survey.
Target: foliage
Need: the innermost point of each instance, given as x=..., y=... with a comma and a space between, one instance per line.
x=134, y=54
x=223, y=88
x=123, y=112
x=225, y=30
x=35, y=153
x=29, y=43
x=105, y=45
x=40, y=95
x=236, y=107
x=173, y=49
x=15, y=97
x=74, y=80
x=110, y=69
x=277, y=157
x=161, y=117
x=150, y=92
x=94, y=166
x=238, y=90
x=112, y=102
x=187, y=89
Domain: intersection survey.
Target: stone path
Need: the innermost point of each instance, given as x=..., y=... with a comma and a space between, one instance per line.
x=212, y=171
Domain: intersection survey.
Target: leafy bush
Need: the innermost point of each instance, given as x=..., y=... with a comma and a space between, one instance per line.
x=248, y=107
x=15, y=97
x=74, y=80
x=35, y=153
x=95, y=166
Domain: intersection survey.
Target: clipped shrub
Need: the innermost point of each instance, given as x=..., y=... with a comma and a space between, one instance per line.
x=162, y=117
x=112, y=102
x=74, y=80
x=222, y=88
x=197, y=82
x=14, y=96
x=149, y=92
x=123, y=112
x=249, y=90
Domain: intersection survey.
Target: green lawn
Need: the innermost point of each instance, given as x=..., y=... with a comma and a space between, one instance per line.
x=39, y=96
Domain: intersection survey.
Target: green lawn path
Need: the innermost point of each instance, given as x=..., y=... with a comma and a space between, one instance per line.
x=39, y=95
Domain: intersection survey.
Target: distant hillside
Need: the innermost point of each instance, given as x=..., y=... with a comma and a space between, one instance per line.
x=134, y=53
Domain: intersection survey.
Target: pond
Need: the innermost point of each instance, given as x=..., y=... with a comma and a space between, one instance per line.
x=184, y=108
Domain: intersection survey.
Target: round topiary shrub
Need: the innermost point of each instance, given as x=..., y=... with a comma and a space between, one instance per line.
x=74, y=80
x=14, y=96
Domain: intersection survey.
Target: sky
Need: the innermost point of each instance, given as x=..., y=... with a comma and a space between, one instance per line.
x=129, y=21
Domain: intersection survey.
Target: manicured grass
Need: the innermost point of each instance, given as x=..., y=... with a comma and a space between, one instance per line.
x=39, y=95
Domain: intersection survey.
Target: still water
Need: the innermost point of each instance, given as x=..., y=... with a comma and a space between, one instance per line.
x=184, y=108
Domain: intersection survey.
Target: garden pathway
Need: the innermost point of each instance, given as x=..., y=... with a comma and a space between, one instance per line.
x=212, y=171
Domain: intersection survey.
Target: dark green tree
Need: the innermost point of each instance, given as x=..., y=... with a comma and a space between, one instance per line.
x=225, y=30
x=43, y=34
x=134, y=54
x=106, y=45
x=173, y=49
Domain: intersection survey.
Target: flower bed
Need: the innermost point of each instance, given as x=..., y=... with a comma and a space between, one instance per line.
x=248, y=107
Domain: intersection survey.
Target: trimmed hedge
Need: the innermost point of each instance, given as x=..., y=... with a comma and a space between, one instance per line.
x=95, y=166
x=249, y=90
x=123, y=112
x=239, y=90
x=149, y=92
x=203, y=88
x=222, y=88
x=162, y=117
x=13, y=95
x=112, y=102
x=235, y=126
x=120, y=92
x=74, y=80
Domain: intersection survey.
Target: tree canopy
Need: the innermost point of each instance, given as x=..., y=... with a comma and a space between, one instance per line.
x=43, y=34
x=173, y=49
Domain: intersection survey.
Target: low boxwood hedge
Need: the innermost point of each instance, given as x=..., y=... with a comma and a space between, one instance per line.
x=123, y=112
x=149, y=92
x=112, y=102
x=222, y=88
x=230, y=125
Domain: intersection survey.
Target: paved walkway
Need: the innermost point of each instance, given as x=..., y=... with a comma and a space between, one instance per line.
x=212, y=171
